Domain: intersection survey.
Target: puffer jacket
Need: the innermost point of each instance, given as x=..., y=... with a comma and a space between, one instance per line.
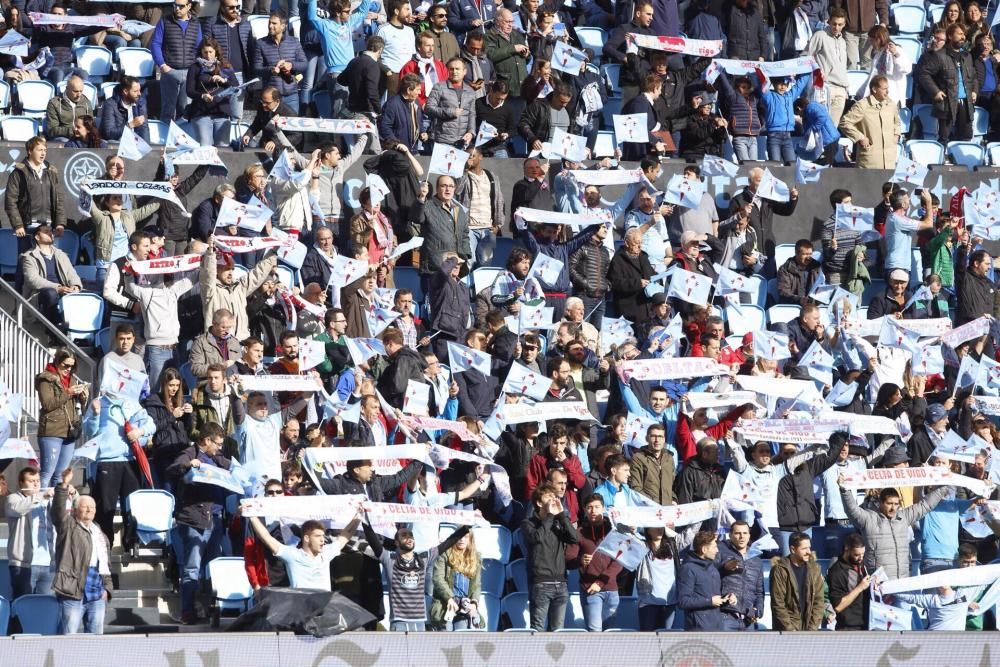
x=747, y=584
x=653, y=478
x=796, y=503
x=785, y=596
x=441, y=232
x=172, y=434
x=452, y=112
x=887, y=541
x=61, y=113
x=698, y=581
x=588, y=270
x=58, y=414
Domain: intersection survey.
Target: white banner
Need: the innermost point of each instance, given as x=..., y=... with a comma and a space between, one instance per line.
x=882, y=478
x=519, y=413
x=138, y=188
x=400, y=513
x=210, y=474
x=420, y=423
x=705, y=48
x=165, y=266
x=974, y=329
x=979, y=575
x=780, y=387
x=606, y=176
x=202, y=155
x=303, y=508
x=938, y=326
x=278, y=383
x=670, y=369
x=667, y=515
x=327, y=125
x=442, y=457
x=697, y=400
x=791, y=67
x=555, y=218
x=241, y=244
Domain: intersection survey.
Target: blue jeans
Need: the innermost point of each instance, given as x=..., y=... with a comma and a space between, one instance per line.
x=928, y=565
x=593, y=309
x=198, y=547
x=501, y=152
x=407, y=626
x=482, y=242
x=292, y=100
x=173, y=94
x=780, y=147
x=74, y=612
x=733, y=624
x=745, y=148
x=31, y=580
x=157, y=357
x=598, y=609
x=653, y=617
x=315, y=70
x=548, y=602
x=210, y=131
x=57, y=454
x=785, y=536
x=114, y=42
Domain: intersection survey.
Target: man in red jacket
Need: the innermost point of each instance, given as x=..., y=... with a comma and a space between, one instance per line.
x=557, y=455
x=692, y=429
x=598, y=570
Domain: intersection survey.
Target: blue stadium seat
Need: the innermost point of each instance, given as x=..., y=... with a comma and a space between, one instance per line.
x=19, y=128
x=911, y=46
x=857, y=82
x=4, y=615
x=231, y=589
x=8, y=252
x=925, y=152
x=96, y=61
x=574, y=613
x=909, y=19
x=782, y=313
x=993, y=153
x=136, y=61
x=905, y=115
x=517, y=572
x=490, y=611
x=157, y=132
x=967, y=153
x=745, y=318
x=34, y=96
x=627, y=616
x=493, y=578
x=515, y=607
x=592, y=38
x=69, y=243
x=37, y=614
x=83, y=313
x=980, y=123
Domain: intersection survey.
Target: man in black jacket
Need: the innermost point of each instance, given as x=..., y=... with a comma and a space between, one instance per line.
x=746, y=32
x=405, y=364
x=762, y=214
x=547, y=532
x=976, y=292
x=494, y=108
x=364, y=81
x=702, y=477
x=797, y=510
x=539, y=120
x=532, y=191
x=361, y=479
x=848, y=582
x=271, y=106
x=503, y=346
x=948, y=81
x=614, y=49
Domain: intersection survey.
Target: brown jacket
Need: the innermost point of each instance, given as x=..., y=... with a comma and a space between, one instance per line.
x=73, y=548
x=58, y=414
x=861, y=13
x=785, y=596
x=653, y=479
x=879, y=122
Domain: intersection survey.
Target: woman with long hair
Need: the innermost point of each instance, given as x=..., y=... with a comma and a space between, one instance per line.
x=975, y=23
x=86, y=134
x=61, y=402
x=891, y=62
x=173, y=418
x=210, y=76
x=541, y=76
x=457, y=580
x=951, y=15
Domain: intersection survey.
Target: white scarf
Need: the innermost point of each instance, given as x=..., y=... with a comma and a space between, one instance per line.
x=428, y=71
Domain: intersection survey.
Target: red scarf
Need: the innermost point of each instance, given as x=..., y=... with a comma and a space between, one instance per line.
x=63, y=380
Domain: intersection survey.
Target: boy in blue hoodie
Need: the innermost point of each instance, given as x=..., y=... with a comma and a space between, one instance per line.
x=816, y=118
x=779, y=116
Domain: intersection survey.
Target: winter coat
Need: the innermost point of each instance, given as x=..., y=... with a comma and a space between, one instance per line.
x=747, y=34
x=796, y=502
x=450, y=305
x=940, y=72
x=74, y=546
x=602, y=569
x=60, y=114
x=443, y=581
x=407, y=364
x=698, y=581
x=785, y=596
x=58, y=415
x=588, y=271
x=17, y=198
x=232, y=297
x=206, y=350
x=507, y=63
x=698, y=481
x=452, y=112
x=652, y=477
x=879, y=123
x=442, y=232
x=35, y=278
x=172, y=434
x=267, y=53
x=887, y=541
x=625, y=274
x=795, y=281
x=114, y=116
x=104, y=225
x=194, y=501
x=747, y=583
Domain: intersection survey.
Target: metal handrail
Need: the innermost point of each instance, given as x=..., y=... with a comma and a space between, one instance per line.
x=22, y=356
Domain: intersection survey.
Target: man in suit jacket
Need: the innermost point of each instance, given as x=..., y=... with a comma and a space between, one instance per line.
x=532, y=191
x=271, y=106
x=402, y=116
x=644, y=102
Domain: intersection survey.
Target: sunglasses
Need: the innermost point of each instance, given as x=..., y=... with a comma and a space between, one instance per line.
x=67, y=367
x=273, y=492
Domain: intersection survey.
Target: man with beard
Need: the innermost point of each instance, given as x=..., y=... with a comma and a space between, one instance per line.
x=848, y=582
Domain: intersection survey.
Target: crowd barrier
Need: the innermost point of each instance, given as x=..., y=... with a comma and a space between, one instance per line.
x=77, y=165
x=473, y=649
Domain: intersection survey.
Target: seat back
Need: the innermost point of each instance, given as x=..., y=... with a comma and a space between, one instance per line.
x=493, y=577
x=258, y=26
x=782, y=313
x=515, y=606
x=94, y=60
x=37, y=614
x=8, y=251
x=857, y=82
x=993, y=153
x=136, y=61
x=967, y=153
x=4, y=615
x=483, y=277
x=592, y=38
x=910, y=45
x=489, y=611
x=745, y=318
x=910, y=19
x=502, y=251
x=83, y=313
x=627, y=616
x=151, y=509
x=783, y=252
x=19, y=128
x=612, y=73
x=925, y=152
x=34, y=97
x=517, y=572
x=229, y=579
x=574, y=613
x=4, y=96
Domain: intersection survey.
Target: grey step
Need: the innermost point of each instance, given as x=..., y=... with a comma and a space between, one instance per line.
x=131, y=616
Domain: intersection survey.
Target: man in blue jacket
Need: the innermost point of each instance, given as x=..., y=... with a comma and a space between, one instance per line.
x=816, y=118
x=466, y=16
x=743, y=576
x=126, y=107
x=547, y=243
x=278, y=59
x=699, y=586
x=779, y=116
x=336, y=37
x=175, y=48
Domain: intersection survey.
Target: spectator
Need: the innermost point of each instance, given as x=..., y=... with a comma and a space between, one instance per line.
x=598, y=571
x=335, y=34
x=652, y=469
x=445, y=44
x=495, y=108
x=615, y=489
x=175, y=48
x=817, y=122
x=426, y=66
x=371, y=230
x=63, y=110
x=405, y=365
x=547, y=532
x=742, y=575
x=829, y=48
x=234, y=37
x=702, y=477
x=279, y=61
x=478, y=68
x=797, y=588
x=33, y=197
x=209, y=111
x=464, y=20
x=849, y=585
x=763, y=211
x=82, y=582
x=704, y=133
x=308, y=566
x=172, y=416
x=948, y=79
x=402, y=118
x=126, y=107
x=360, y=478
x=31, y=541
x=215, y=346
x=747, y=34
x=48, y=275
x=451, y=106
x=651, y=87
x=85, y=134
x=873, y=124
x=888, y=60
x=506, y=47
x=399, y=39
x=271, y=105
x=444, y=226
x=898, y=229
x=973, y=285
x=199, y=513
x=456, y=585
x=363, y=80
x=615, y=50
x=60, y=399
x=220, y=289
x=479, y=191
x=699, y=586
x=779, y=117
x=797, y=276
x=217, y=402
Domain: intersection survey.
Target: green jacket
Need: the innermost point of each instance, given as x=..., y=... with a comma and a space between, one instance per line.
x=444, y=586
x=653, y=479
x=507, y=63
x=205, y=412
x=942, y=262
x=785, y=596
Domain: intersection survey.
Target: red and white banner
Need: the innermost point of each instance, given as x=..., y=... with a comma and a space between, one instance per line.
x=666, y=515
x=419, y=423
x=303, y=508
x=240, y=244
x=670, y=369
x=165, y=265
x=790, y=67
x=705, y=48
x=519, y=413
x=882, y=478
x=974, y=329
x=606, y=176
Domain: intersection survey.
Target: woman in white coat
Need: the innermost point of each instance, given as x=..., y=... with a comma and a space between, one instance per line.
x=889, y=59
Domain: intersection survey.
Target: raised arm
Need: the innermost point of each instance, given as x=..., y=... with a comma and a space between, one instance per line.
x=263, y=536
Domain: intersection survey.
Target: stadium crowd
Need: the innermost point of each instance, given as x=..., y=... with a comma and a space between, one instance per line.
x=598, y=380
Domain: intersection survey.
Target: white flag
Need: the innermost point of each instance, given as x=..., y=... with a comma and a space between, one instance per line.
x=311, y=353
x=683, y=191
x=909, y=171
x=717, y=166
x=14, y=43
x=570, y=146
x=629, y=550
x=690, y=287
x=854, y=218
x=772, y=188
x=462, y=358
x=566, y=58
x=448, y=160
x=132, y=146
x=417, y=399
x=631, y=127
x=546, y=269
x=122, y=381
x=178, y=138
x=486, y=134
x=252, y=215
x=524, y=381
x=377, y=188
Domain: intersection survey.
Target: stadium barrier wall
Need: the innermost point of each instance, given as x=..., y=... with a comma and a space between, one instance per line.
x=76, y=165
x=473, y=649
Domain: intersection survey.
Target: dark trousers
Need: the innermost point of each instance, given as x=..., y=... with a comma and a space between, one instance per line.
x=653, y=617
x=114, y=482
x=958, y=128
x=548, y=601
x=593, y=309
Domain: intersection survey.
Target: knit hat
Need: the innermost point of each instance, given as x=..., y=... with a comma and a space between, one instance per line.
x=895, y=456
x=935, y=413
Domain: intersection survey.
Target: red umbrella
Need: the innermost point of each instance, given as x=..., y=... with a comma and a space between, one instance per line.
x=136, y=447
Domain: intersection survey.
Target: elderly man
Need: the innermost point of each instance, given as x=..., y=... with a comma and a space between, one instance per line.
x=82, y=582
x=318, y=263
x=576, y=314
x=220, y=289
x=507, y=49
x=873, y=125
x=63, y=110
x=215, y=346
x=443, y=224
x=763, y=212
